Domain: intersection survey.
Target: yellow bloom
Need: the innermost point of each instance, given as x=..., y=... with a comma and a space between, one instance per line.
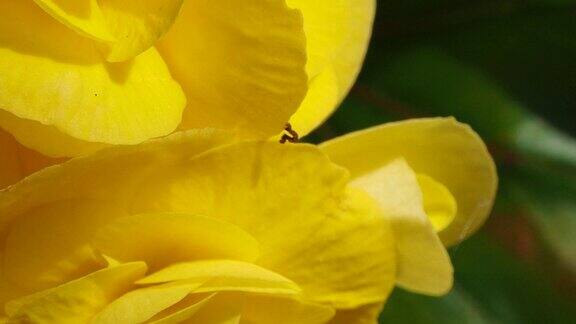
x=81, y=75
x=436, y=182
x=201, y=226
x=192, y=227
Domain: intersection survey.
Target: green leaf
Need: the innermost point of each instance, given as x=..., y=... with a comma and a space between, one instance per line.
x=549, y=200
x=491, y=287
x=436, y=83
x=454, y=308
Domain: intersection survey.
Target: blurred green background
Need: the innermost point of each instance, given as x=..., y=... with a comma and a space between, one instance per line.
x=508, y=68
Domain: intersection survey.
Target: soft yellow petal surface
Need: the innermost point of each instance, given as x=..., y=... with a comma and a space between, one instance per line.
x=8, y=290
x=224, y=275
x=184, y=309
x=367, y=314
x=218, y=308
x=140, y=305
x=66, y=83
x=83, y=16
x=125, y=28
x=48, y=139
x=331, y=242
x=241, y=64
x=10, y=169
x=50, y=244
x=442, y=148
x=164, y=239
x=17, y=161
x=193, y=277
x=111, y=175
x=266, y=309
x=439, y=204
x=76, y=301
x=424, y=265
x=337, y=36
x=222, y=309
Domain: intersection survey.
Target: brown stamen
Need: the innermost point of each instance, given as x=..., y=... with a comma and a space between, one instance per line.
x=291, y=137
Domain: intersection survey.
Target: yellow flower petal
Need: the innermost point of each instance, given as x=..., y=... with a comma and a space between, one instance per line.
x=336, y=47
x=17, y=161
x=224, y=308
x=66, y=84
x=442, y=148
x=193, y=277
x=367, y=314
x=8, y=290
x=423, y=263
x=125, y=28
x=224, y=275
x=331, y=242
x=439, y=204
x=266, y=309
x=49, y=245
x=112, y=175
x=76, y=301
x=10, y=169
x=241, y=64
x=83, y=16
x=48, y=139
x=164, y=239
x=140, y=305
x=184, y=309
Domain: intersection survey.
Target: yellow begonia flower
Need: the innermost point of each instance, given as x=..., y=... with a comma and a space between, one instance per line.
x=197, y=226
x=433, y=179
x=82, y=75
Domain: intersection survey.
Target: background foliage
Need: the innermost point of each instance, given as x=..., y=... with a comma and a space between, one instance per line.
x=508, y=68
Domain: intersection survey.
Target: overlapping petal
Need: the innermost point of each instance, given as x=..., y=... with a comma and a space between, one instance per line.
x=292, y=200
x=68, y=85
x=166, y=238
x=423, y=263
x=123, y=28
x=337, y=37
x=449, y=152
x=50, y=244
x=76, y=301
x=241, y=64
x=17, y=161
x=331, y=241
x=10, y=169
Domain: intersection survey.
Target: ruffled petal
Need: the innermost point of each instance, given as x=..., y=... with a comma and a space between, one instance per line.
x=424, y=265
x=442, y=148
x=284, y=310
x=332, y=242
x=124, y=28
x=17, y=161
x=165, y=239
x=67, y=84
x=10, y=168
x=337, y=37
x=140, y=305
x=76, y=301
x=214, y=276
x=439, y=204
x=112, y=175
x=224, y=275
x=367, y=314
x=241, y=64
x=50, y=244
x=48, y=139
